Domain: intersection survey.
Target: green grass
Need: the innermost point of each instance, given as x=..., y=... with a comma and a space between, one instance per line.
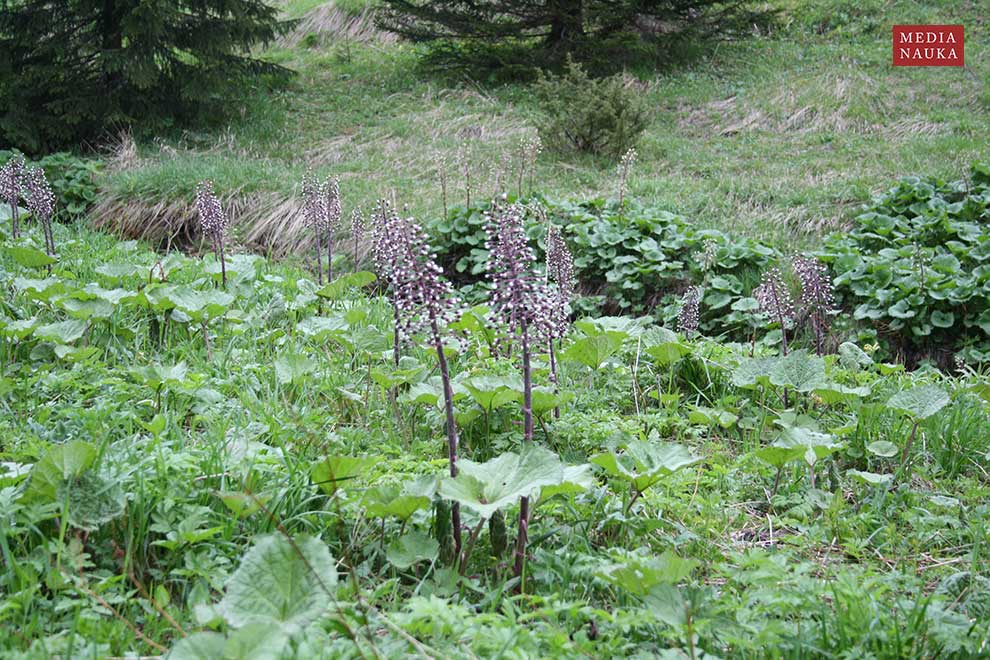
x=778, y=136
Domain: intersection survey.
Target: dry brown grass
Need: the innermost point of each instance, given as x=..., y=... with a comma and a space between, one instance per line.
x=329, y=23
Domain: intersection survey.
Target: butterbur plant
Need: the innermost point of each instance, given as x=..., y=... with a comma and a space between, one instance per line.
x=314, y=211
x=386, y=258
x=817, y=297
x=625, y=164
x=331, y=194
x=440, y=160
x=41, y=203
x=776, y=302
x=521, y=302
x=11, y=183
x=560, y=270
x=690, y=313
x=214, y=222
x=529, y=151
x=358, y=229
x=424, y=301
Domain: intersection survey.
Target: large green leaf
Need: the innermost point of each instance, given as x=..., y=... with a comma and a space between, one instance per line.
x=487, y=487
x=593, y=351
x=645, y=462
x=61, y=332
x=637, y=573
x=920, y=402
x=92, y=500
x=341, y=285
x=28, y=257
x=390, y=501
x=290, y=583
x=491, y=392
x=411, y=549
x=796, y=443
x=799, y=370
x=60, y=463
x=754, y=371
x=333, y=472
x=293, y=368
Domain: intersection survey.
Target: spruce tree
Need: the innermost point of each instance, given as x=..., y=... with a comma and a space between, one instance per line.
x=70, y=70
x=553, y=29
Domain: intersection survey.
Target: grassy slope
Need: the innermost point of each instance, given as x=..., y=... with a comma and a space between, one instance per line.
x=776, y=135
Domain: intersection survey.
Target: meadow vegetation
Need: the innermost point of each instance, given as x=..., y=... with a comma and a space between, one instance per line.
x=374, y=372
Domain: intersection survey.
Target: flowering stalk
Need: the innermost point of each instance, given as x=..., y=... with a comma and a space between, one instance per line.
x=11, y=182
x=521, y=301
x=331, y=193
x=357, y=232
x=315, y=215
x=690, y=314
x=423, y=300
x=560, y=270
x=214, y=222
x=775, y=301
x=817, y=297
x=41, y=202
x=628, y=159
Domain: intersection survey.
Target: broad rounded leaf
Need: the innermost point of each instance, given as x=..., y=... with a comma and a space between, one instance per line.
x=281, y=581
x=920, y=402
x=883, y=448
x=29, y=257
x=411, y=549
x=487, y=487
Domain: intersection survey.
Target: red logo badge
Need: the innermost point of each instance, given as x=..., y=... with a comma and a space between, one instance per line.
x=928, y=45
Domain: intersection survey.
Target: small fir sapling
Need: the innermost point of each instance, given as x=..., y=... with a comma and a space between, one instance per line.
x=560, y=270
x=214, y=222
x=522, y=303
x=41, y=202
x=775, y=301
x=315, y=214
x=358, y=229
x=690, y=313
x=424, y=301
x=11, y=184
x=817, y=297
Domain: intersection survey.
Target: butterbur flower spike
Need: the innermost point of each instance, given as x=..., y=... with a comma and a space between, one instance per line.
x=213, y=221
x=690, y=314
x=358, y=229
x=331, y=195
x=11, y=183
x=41, y=203
x=315, y=214
x=560, y=270
x=776, y=302
x=817, y=297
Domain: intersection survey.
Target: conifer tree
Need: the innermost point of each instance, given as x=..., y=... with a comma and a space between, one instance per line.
x=70, y=70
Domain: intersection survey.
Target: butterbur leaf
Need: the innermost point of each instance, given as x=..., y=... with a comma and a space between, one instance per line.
x=799, y=370
x=289, y=583
x=499, y=483
x=29, y=257
x=754, y=371
x=799, y=443
x=638, y=573
x=389, y=501
x=62, y=332
x=491, y=392
x=883, y=448
x=293, y=368
x=412, y=548
x=920, y=402
x=61, y=463
x=92, y=500
x=341, y=285
x=853, y=357
x=645, y=462
x=592, y=352
x=334, y=472
x=871, y=478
